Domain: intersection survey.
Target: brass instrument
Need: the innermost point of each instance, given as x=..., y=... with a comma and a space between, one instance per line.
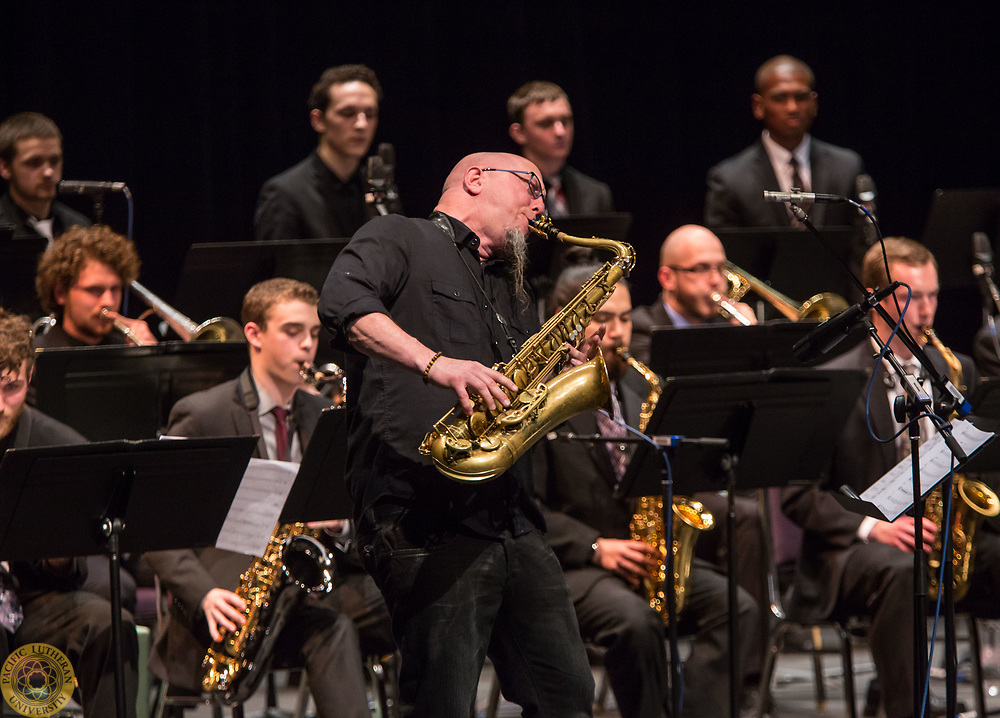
x=123, y=328
x=971, y=502
x=818, y=306
x=233, y=665
x=328, y=379
x=727, y=310
x=217, y=329
x=483, y=446
x=690, y=517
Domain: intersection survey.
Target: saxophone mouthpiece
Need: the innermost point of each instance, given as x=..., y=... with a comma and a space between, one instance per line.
x=543, y=226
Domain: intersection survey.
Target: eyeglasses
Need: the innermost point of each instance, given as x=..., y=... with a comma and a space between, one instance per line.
x=703, y=269
x=534, y=184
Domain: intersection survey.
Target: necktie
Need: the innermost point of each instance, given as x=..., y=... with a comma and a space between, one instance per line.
x=556, y=198
x=797, y=183
x=617, y=451
x=280, y=431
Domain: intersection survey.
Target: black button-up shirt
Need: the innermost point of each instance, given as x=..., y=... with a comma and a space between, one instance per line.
x=434, y=287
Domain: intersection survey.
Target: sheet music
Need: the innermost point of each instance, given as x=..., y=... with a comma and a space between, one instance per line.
x=893, y=493
x=256, y=506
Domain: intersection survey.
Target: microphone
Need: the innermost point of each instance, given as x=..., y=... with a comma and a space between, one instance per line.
x=87, y=187
x=982, y=268
x=831, y=332
x=864, y=187
x=802, y=197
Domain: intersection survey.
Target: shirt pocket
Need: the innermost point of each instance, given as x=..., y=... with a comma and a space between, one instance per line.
x=457, y=317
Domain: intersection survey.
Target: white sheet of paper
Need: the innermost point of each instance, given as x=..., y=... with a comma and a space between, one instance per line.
x=257, y=506
x=893, y=493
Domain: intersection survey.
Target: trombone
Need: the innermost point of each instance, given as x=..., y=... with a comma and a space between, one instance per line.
x=216, y=329
x=819, y=306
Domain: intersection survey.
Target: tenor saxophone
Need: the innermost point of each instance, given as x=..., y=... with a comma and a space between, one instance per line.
x=482, y=446
x=232, y=667
x=971, y=502
x=690, y=518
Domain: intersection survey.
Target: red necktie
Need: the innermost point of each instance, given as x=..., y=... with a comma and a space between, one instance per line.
x=280, y=430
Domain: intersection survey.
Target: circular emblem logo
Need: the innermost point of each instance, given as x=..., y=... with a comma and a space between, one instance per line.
x=37, y=680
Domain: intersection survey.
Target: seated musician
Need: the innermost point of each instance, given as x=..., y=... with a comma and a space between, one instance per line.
x=55, y=609
x=691, y=269
x=80, y=282
x=855, y=565
x=281, y=326
x=589, y=531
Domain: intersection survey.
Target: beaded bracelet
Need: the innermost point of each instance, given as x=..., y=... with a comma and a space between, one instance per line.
x=427, y=370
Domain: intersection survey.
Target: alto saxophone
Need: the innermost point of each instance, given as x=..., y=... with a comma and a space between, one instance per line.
x=482, y=446
x=971, y=502
x=233, y=665
x=690, y=518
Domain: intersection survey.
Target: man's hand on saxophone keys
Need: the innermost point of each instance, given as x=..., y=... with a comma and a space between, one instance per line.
x=466, y=378
x=223, y=611
x=588, y=350
x=632, y=560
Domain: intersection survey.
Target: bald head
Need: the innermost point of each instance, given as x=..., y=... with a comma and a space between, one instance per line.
x=685, y=242
x=490, y=192
x=782, y=64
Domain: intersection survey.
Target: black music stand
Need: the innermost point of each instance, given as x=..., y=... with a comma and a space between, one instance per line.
x=246, y=263
x=120, y=392
x=790, y=261
x=319, y=492
x=112, y=497
x=755, y=412
x=955, y=214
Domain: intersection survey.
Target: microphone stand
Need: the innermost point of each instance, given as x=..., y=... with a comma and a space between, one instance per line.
x=909, y=409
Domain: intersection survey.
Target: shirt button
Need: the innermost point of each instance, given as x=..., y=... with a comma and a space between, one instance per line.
x=457, y=293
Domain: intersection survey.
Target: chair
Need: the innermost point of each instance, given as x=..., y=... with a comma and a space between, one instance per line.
x=783, y=626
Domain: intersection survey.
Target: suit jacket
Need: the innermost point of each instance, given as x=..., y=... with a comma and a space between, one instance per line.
x=858, y=461
x=735, y=185
x=309, y=201
x=584, y=194
x=37, y=429
x=229, y=409
x=63, y=217
x=574, y=490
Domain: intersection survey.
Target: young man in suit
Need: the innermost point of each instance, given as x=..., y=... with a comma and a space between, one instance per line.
x=541, y=123
x=785, y=156
x=324, y=195
x=855, y=565
x=692, y=265
x=267, y=399
x=589, y=531
x=31, y=160
x=55, y=607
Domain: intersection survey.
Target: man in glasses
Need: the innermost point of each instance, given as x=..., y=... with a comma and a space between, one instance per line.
x=423, y=309
x=785, y=156
x=541, y=123
x=692, y=262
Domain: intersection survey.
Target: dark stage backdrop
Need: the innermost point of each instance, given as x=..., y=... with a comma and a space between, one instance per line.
x=195, y=104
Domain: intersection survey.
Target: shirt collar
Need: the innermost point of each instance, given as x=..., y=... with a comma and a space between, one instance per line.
x=780, y=156
x=676, y=318
x=265, y=402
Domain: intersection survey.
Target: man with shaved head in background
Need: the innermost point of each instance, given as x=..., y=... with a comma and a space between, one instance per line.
x=784, y=156
x=692, y=265
x=423, y=309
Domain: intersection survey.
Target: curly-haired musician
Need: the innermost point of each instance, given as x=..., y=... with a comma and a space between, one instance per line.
x=80, y=281
x=56, y=609
x=424, y=308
